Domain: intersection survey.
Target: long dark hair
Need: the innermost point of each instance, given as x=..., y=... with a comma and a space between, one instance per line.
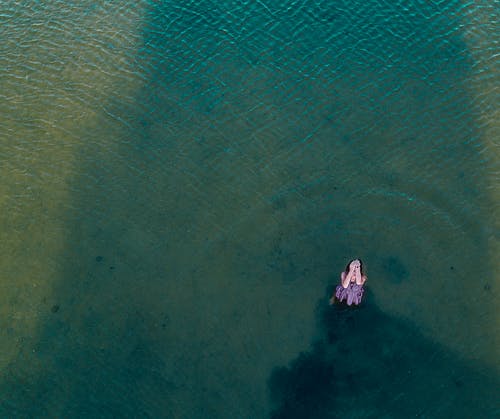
x=360, y=267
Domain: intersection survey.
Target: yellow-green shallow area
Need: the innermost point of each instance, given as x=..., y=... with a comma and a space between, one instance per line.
x=183, y=181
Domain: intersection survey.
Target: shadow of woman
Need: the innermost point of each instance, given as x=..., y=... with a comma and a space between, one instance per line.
x=370, y=364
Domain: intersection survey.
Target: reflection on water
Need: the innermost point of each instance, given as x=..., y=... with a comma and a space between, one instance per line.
x=183, y=181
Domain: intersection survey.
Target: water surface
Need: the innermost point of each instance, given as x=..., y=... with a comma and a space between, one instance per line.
x=183, y=182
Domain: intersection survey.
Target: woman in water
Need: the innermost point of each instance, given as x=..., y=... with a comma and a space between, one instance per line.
x=351, y=283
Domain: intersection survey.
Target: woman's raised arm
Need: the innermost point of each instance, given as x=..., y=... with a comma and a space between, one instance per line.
x=344, y=279
x=361, y=281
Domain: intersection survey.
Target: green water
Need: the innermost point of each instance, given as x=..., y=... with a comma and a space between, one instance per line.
x=184, y=181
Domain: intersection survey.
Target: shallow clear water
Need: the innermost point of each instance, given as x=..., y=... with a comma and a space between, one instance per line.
x=184, y=181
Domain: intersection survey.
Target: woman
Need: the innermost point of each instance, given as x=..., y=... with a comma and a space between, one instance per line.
x=351, y=283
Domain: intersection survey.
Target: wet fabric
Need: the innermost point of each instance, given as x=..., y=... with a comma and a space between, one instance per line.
x=352, y=294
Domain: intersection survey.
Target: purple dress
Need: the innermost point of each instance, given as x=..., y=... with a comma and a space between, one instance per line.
x=352, y=294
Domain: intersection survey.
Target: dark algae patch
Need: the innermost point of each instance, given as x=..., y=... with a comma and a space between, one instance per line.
x=367, y=364
x=394, y=269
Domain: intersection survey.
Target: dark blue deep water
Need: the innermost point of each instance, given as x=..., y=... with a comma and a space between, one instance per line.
x=183, y=182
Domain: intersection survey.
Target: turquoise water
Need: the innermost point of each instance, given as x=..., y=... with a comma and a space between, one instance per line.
x=184, y=181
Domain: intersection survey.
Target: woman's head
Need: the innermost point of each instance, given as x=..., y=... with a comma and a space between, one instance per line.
x=353, y=265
